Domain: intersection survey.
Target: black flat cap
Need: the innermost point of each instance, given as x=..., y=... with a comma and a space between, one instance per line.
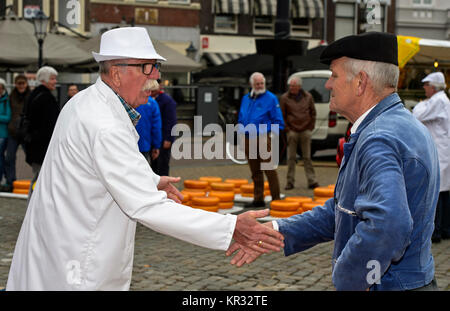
x=373, y=46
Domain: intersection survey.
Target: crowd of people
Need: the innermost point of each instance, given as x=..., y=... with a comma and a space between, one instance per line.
x=103, y=165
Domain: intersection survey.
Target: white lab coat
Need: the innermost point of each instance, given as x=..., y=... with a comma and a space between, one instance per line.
x=79, y=229
x=434, y=113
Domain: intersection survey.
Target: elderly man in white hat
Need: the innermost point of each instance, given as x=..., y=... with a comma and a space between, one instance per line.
x=94, y=185
x=434, y=113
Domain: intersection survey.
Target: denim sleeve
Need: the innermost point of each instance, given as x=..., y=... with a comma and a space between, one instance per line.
x=385, y=225
x=308, y=229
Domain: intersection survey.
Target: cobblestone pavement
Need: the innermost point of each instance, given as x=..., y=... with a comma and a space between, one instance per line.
x=164, y=263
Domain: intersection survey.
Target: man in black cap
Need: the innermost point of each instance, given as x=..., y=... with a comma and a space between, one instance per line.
x=381, y=216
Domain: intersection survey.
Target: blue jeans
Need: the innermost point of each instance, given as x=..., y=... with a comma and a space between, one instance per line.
x=3, y=142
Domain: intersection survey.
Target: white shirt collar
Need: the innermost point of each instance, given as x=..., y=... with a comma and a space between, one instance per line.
x=359, y=120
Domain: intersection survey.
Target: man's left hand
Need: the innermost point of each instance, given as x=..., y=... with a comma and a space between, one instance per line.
x=165, y=184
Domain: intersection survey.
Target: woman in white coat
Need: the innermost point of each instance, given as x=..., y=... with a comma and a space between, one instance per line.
x=94, y=185
x=434, y=113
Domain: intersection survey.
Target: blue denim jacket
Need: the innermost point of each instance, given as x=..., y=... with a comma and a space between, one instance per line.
x=382, y=215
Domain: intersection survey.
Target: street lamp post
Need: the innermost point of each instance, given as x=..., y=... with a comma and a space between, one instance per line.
x=40, y=22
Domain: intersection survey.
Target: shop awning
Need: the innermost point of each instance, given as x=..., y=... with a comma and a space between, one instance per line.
x=306, y=9
x=232, y=7
x=299, y=8
x=220, y=58
x=265, y=8
x=415, y=50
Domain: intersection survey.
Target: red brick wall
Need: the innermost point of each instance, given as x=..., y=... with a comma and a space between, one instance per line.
x=112, y=13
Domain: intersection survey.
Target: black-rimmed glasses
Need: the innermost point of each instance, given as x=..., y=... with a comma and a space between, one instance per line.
x=147, y=68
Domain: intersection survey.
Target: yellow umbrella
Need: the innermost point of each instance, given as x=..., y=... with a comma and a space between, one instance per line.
x=407, y=48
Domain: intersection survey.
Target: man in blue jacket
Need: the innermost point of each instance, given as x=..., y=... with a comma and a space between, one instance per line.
x=260, y=114
x=149, y=130
x=381, y=216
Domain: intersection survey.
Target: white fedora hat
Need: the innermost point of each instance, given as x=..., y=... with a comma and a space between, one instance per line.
x=126, y=42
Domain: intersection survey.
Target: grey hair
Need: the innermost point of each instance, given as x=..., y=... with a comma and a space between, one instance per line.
x=438, y=86
x=297, y=79
x=252, y=77
x=3, y=82
x=383, y=75
x=104, y=67
x=44, y=73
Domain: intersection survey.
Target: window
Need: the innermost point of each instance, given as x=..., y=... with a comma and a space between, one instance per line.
x=301, y=27
x=150, y=1
x=422, y=2
x=263, y=25
x=225, y=23
x=316, y=86
x=345, y=23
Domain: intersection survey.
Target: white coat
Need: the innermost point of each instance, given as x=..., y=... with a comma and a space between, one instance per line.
x=94, y=185
x=434, y=113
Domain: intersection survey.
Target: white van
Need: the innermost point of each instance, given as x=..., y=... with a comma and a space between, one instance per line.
x=330, y=126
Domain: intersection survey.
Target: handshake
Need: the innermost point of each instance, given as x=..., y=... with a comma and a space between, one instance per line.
x=252, y=239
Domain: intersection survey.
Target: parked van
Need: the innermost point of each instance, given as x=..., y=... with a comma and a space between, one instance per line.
x=330, y=126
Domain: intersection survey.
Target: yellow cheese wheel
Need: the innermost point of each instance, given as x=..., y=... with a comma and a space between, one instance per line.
x=331, y=186
x=22, y=184
x=195, y=184
x=211, y=179
x=225, y=205
x=20, y=191
x=224, y=196
x=282, y=214
x=282, y=205
x=237, y=182
x=247, y=194
x=299, y=199
x=323, y=192
x=310, y=205
x=222, y=186
x=186, y=197
x=205, y=201
x=247, y=188
x=193, y=192
x=321, y=199
x=237, y=190
x=214, y=208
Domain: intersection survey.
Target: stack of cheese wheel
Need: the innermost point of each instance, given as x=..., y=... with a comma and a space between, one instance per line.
x=247, y=190
x=283, y=208
x=321, y=194
x=237, y=183
x=301, y=200
x=210, y=179
x=190, y=193
x=226, y=198
x=210, y=204
x=21, y=186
